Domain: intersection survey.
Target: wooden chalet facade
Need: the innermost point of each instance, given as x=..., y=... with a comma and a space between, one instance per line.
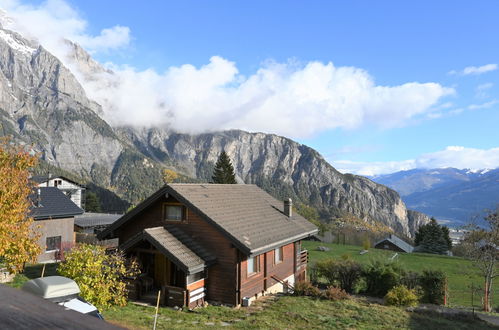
x=223, y=243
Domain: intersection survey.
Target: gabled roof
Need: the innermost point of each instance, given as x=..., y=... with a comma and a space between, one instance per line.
x=398, y=242
x=186, y=254
x=53, y=203
x=90, y=219
x=44, y=178
x=252, y=219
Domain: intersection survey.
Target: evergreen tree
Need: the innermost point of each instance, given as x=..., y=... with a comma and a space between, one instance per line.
x=224, y=171
x=92, y=203
x=433, y=238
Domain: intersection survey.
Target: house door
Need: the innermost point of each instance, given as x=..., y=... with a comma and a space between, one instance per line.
x=162, y=270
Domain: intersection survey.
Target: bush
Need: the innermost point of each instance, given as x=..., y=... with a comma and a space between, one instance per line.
x=334, y=293
x=411, y=279
x=381, y=276
x=344, y=273
x=433, y=284
x=366, y=244
x=401, y=296
x=100, y=276
x=305, y=288
x=313, y=273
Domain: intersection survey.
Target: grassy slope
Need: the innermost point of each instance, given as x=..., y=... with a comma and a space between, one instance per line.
x=284, y=312
x=460, y=271
x=288, y=312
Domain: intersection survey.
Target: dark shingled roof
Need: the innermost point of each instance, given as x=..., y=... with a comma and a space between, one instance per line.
x=53, y=204
x=250, y=217
x=22, y=310
x=398, y=242
x=89, y=219
x=176, y=246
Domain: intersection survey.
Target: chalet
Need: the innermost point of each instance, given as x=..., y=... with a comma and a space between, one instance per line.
x=224, y=243
x=54, y=214
x=71, y=188
x=394, y=243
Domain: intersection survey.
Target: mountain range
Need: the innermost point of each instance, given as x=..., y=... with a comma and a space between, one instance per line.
x=455, y=196
x=43, y=103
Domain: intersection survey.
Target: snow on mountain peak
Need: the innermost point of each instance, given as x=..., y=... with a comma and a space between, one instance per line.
x=17, y=44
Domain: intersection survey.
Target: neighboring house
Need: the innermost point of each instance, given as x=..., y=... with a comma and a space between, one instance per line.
x=72, y=189
x=224, y=243
x=54, y=214
x=394, y=243
x=93, y=223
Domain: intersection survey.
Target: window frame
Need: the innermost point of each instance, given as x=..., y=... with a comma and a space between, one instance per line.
x=57, y=246
x=183, y=209
x=281, y=255
x=256, y=266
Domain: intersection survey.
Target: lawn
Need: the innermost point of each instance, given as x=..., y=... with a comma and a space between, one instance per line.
x=280, y=312
x=460, y=272
x=288, y=312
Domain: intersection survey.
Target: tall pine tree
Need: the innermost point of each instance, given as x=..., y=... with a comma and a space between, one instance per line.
x=433, y=238
x=224, y=171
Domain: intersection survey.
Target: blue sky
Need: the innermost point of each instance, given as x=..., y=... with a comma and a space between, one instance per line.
x=447, y=51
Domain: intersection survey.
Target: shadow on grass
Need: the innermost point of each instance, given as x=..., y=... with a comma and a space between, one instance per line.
x=430, y=320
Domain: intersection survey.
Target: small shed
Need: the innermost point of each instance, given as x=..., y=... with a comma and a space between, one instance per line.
x=394, y=243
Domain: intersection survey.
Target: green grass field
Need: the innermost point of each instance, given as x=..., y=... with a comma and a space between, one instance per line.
x=460, y=272
x=288, y=312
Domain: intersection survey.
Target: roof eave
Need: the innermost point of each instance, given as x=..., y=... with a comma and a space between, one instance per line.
x=277, y=244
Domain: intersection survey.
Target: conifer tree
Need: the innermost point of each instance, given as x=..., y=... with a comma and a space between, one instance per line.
x=224, y=171
x=433, y=238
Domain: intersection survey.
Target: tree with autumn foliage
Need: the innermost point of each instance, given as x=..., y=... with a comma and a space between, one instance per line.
x=18, y=239
x=169, y=176
x=100, y=275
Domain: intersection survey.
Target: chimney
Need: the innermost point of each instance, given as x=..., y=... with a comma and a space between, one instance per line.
x=288, y=207
x=48, y=178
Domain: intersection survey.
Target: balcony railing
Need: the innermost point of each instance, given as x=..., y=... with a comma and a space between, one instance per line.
x=302, y=259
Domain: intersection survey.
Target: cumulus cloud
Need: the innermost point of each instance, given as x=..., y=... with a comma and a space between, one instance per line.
x=52, y=21
x=476, y=70
x=452, y=156
x=291, y=99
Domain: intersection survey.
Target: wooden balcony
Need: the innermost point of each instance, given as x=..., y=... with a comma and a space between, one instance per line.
x=302, y=259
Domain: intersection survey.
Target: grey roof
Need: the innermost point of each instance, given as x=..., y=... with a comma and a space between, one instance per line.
x=53, y=204
x=23, y=310
x=398, y=242
x=89, y=219
x=176, y=246
x=246, y=214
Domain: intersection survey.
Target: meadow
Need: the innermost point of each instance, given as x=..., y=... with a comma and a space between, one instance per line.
x=460, y=272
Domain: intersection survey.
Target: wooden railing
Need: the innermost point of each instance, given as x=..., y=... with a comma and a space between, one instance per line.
x=303, y=257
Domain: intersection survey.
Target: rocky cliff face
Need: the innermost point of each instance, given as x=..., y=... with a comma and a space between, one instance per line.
x=282, y=167
x=42, y=103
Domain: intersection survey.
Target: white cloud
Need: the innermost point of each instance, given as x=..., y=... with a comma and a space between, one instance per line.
x=485, y=105
x=52, y=21
x=481, y=91
x=452, y=156
x=476, y=70
x=284, y=98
